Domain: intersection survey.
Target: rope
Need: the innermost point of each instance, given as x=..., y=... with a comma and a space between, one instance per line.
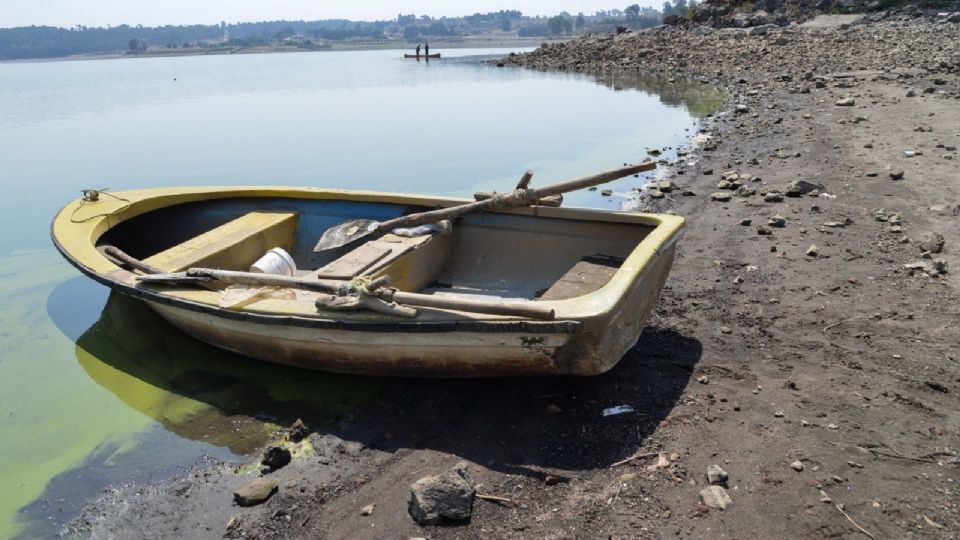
x=92, y=196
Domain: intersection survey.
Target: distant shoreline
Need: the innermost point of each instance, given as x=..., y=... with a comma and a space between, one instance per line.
x=472, y=43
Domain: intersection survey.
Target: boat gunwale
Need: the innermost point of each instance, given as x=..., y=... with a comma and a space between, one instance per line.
x=598, y=304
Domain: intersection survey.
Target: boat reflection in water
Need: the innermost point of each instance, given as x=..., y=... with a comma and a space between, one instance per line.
x=202, y=392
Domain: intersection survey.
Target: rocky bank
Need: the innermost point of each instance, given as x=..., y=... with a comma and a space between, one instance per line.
x=799, y=378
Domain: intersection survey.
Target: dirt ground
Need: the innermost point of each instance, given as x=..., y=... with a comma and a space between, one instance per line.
x=758, y=355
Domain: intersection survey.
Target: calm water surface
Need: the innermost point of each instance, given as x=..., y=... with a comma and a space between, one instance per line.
x=96, y=392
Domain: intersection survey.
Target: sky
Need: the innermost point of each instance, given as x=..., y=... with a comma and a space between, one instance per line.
x=68, y=13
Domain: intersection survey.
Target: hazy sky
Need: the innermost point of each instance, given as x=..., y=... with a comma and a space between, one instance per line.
x=158, y=12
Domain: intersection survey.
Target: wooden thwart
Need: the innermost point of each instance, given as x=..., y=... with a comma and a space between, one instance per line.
x=235, y=244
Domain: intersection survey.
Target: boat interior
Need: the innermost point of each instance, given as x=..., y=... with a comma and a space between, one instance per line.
x=504, y=255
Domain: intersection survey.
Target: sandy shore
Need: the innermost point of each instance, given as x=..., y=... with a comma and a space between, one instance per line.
x=805, y=344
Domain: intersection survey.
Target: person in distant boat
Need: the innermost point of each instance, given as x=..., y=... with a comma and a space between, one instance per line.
x=426, y=48
x=418, y=49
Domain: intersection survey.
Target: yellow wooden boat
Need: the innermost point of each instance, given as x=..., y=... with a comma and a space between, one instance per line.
x=600, y=273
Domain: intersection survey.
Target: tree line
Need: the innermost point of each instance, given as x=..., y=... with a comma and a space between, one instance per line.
x=51, y=42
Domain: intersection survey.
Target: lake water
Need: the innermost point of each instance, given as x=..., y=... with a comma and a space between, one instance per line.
x=96, y=391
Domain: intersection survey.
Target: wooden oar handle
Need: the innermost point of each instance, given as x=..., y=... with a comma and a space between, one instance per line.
x=520, y=197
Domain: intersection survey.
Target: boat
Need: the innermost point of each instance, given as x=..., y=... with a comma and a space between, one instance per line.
x=427, y=56
x=596, y=273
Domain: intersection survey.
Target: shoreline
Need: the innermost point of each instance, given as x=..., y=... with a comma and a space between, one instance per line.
x=795, y=345
x=477, y=43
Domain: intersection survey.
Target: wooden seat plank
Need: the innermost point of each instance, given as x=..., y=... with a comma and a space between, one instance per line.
x=587, y=275
x=233, y=245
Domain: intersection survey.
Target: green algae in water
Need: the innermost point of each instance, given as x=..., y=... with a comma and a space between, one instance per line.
x=78, y=416
x=45, y=400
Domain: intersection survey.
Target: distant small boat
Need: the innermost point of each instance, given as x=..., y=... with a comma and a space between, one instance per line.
x=434, y=55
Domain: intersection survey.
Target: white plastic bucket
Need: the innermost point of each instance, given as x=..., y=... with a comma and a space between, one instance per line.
x=276, y=261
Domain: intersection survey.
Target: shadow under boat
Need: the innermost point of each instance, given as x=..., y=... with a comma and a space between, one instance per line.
x=202, y=392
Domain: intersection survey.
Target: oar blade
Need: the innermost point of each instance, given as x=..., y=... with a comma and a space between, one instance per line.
x=345, y=233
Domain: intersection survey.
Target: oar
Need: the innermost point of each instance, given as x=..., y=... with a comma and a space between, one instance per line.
x=353, y=230
x=376, y=289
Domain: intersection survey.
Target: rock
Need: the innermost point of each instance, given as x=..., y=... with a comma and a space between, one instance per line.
x=801, y=187
x=255, y=491
x=954, y=17
x=720, y=196
x=777, y=221
x=656, y=194
x=553, y=409
x=726, y=330
x=763, y=231
x=447, y=496
x=932, y=242
x=716, y=475
x=846, y=102
x=724, y=184
x=702, y=31
x=933, y=269
x=666, y=186
x=275, y=457
x=703, y=379
x=797, y=466
x=367, y=510
x=773, y=196
x=744, y=191
x=654, y=152
x=897, y=174
x=606, y=192
x=812, y=251
x=740, y=108
x=762, y=30
x=298, y=431
x=741, y=20
x=715, y=497
x=746, y=222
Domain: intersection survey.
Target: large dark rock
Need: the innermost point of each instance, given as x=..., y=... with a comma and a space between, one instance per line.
x=801, y=187
x=298, y=431
x=275, y=457
x=444, y=497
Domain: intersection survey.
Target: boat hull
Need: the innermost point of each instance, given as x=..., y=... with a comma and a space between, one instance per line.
x=532, y=349
x=435, y=55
